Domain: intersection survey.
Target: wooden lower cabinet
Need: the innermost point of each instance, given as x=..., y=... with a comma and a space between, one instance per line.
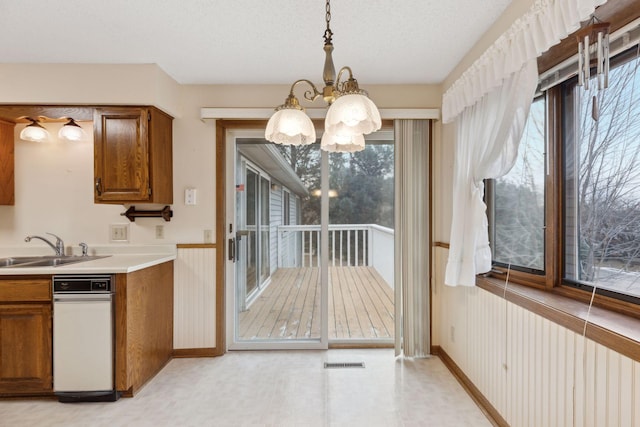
x=25, y=337
x=143, y=331
x=144, y=325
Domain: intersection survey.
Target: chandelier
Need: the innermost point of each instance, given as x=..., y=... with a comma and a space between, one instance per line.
x=350, y=116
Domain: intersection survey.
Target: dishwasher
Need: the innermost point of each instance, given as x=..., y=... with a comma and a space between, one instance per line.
x=83, y=338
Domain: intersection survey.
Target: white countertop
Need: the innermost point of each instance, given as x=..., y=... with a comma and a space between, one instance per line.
x=119, y=259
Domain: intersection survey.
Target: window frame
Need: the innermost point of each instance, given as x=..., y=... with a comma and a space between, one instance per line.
x=626, y=304
x=519, y=274
x=548, y=278
x=552, y=280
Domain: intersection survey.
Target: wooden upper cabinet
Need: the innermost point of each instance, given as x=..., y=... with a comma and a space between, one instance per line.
x=7, y=182
x=133, y=161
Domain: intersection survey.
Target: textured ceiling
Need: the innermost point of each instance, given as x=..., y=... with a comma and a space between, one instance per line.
x=250, y=41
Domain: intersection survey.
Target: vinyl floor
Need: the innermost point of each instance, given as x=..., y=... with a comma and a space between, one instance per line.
x=275, y=388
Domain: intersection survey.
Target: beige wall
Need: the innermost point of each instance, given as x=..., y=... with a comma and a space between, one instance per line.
x=54, y=190
x=143, y=84
x=515, y=10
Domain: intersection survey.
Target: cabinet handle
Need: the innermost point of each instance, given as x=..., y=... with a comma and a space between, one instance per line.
x=99, y=186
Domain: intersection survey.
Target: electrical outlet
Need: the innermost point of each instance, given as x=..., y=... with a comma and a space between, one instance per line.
x=159, y=231
x=208, y=236
x=119, y=232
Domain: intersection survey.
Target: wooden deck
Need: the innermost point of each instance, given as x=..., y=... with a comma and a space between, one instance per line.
x=360, y=306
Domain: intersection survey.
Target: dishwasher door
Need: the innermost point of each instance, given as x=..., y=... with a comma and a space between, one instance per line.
x=83, y=345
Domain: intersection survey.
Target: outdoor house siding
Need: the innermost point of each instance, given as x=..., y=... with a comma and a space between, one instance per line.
x=294, y=209
x=286, y=247
x=290, y=241
x=275, y=220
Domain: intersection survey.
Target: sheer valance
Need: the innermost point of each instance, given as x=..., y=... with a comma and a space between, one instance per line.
x=545, y=24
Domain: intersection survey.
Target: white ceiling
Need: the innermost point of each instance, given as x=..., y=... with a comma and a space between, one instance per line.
x=250, y=41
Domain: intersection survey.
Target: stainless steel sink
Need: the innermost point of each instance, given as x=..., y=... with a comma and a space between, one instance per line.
x=46, y=261
x=12, y=261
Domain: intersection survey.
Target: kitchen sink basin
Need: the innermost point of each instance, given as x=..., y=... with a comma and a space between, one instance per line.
x=46, y=261
x=11, y=261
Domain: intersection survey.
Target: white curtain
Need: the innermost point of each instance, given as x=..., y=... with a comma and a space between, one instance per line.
x=412, y=238
x=545, y=24
x=487, y=138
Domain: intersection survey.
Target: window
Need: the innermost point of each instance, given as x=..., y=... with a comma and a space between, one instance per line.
x=601, y=133
x=571, y=217
x=518, y=201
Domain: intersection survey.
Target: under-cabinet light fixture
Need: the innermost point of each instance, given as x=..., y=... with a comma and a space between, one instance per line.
x=351, y=113
x=34, y=132
x=71, y=131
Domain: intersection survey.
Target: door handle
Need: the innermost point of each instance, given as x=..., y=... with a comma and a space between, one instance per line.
x=232, y=249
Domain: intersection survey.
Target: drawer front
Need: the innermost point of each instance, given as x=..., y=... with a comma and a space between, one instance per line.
x=25, y=290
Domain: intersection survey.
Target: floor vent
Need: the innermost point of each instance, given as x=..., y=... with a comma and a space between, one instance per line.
x=328, y=365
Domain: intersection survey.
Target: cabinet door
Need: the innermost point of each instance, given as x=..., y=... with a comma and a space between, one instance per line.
x=25, y=348
x=7, y=186
x=121, y=155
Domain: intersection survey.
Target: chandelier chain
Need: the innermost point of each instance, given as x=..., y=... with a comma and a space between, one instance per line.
x=328, y=34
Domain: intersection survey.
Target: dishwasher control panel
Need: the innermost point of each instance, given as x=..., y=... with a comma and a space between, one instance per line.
x=82, y=284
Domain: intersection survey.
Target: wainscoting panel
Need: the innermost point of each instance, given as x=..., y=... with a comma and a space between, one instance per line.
x=533, y=371
x=194, y=297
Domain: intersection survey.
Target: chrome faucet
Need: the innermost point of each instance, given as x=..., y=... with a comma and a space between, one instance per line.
x=58, y=247
x=85, y=248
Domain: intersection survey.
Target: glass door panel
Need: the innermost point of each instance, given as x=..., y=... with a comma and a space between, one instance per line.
x=250, y=246
x=361, y=243
x=265, y=225
x=277, y=207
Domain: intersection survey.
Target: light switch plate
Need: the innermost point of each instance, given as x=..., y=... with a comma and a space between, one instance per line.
x=190, y=196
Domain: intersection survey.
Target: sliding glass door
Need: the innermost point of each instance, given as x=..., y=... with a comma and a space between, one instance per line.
x=275, y=289
x=314, y=244
x=361, y=244
x=252, y=241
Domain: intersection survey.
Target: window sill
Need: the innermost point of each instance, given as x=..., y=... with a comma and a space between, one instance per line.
x=614, y=330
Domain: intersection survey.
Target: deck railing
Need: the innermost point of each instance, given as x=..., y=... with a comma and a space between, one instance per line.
x=349, y=245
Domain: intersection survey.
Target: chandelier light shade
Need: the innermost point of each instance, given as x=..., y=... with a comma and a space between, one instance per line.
x=71, y=131
x=290, y=125
x=34, y=132
x=350, y=116
x=341, y=143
